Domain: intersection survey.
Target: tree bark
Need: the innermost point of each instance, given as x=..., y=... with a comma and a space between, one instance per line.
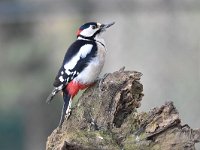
x=106, y=118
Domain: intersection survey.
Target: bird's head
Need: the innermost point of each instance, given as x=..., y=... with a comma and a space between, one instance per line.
x=92, y=29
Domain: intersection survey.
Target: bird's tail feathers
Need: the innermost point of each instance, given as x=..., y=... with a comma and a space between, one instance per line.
x=66, y=107
x=51, y=96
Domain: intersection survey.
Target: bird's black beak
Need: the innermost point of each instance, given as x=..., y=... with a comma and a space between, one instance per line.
x=104, y=26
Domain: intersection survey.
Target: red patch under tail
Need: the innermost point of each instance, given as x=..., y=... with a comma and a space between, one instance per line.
x=74, y=87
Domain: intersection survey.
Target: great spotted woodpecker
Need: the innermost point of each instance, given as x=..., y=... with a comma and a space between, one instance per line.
x=82, y=64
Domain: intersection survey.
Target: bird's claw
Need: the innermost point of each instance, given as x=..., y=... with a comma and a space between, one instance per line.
x=101, y=80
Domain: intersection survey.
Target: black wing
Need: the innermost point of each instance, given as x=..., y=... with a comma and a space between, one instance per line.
x=65, y=76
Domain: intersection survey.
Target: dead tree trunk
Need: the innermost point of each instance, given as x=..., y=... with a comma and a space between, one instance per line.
x=106, y=118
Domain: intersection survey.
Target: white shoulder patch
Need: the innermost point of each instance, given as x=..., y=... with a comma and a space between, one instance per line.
x=84, y=50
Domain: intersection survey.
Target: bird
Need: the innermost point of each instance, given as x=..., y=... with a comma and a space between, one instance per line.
x=81, y=65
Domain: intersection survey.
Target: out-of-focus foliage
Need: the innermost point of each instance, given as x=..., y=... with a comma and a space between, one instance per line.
x=159, y=38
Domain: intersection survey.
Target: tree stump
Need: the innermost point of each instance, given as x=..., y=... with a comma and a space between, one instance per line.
x=106, y=118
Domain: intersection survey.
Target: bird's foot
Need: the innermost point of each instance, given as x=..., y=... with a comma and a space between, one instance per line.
x=101, y=81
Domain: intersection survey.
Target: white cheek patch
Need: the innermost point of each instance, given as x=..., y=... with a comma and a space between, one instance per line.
x=83, y=52
x=98, y=24
x=88, y=32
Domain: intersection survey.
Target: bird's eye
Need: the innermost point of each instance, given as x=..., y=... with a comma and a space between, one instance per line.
x=94, y=27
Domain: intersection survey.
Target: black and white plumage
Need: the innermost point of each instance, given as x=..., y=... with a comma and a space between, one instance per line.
x=78, y=56
x=82, y=64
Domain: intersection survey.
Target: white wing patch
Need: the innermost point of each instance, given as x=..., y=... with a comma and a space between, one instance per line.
x=61, y=79
x=84, y=50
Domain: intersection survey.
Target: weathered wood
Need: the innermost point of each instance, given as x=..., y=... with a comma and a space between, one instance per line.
x=106, y=118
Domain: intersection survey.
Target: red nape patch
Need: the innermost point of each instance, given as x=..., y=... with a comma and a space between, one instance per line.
x=78, y=32
x=74, y=87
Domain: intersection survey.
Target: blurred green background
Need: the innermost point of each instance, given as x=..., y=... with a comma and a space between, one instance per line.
x=160, y=38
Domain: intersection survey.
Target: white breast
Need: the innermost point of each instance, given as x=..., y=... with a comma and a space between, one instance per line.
x=92, y=71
